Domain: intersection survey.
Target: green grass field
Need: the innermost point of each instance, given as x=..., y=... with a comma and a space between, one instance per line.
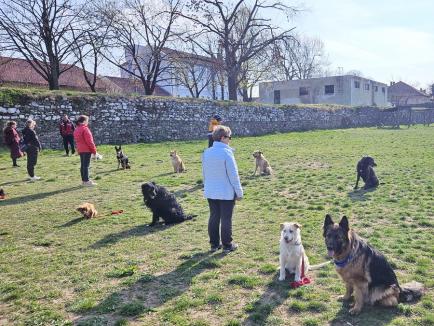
x=57, y=269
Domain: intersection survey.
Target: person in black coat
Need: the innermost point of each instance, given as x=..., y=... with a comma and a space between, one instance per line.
x=33, y=148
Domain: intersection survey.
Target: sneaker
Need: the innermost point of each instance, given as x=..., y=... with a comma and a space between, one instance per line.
x=89, y=183
x=66, y=154
x=232, y=247
x=34, y=178
x=214, y=249
x=15, y=166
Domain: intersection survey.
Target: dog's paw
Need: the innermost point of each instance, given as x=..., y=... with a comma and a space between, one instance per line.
x=355, y=310
x=282, y=278
x=344, y=298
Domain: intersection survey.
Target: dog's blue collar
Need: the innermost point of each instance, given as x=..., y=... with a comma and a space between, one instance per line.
x=344, y=262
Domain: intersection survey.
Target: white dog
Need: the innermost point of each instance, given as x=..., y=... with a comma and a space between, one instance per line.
x=292, y=253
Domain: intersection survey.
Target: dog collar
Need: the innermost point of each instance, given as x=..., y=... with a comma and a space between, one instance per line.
x=344, y=262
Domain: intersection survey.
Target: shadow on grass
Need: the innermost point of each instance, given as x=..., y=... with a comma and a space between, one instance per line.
x=161, y=175
x=138, y=231
x=38, y=196
x=359, y=195
x=370, y=315
x=150, y=292
x=182, y=192
x=107, y=172
x=275, y=294
x=72, y=222
x=13, y=182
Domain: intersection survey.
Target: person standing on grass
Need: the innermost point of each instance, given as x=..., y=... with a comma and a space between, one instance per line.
x=33, y=147
x=221, y=188
x=66, y=128
x=12, y=141
x=85, y=147
x=215, y=121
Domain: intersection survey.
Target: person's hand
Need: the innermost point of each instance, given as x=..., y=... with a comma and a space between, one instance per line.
x=238, y=198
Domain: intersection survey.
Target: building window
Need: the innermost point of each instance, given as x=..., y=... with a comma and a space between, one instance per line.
x=376, y=88
x=383, y=89
x=366, y=87
x=304, y=91
x=329, y=89
x=356, y=84
x=277, y=97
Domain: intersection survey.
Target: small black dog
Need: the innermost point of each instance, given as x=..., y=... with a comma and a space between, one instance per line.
x=365, y=169
x=163, y=204
x=122, y=158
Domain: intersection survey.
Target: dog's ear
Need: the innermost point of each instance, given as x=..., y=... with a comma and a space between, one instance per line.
x=297, y=225
x=153, y=183
x=282, y=225
x=327, y=222
x=344, y=224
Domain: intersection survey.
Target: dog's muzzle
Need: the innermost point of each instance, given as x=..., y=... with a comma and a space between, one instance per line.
x=330, y=252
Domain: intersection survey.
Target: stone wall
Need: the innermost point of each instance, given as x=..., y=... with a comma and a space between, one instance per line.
x=131, y=120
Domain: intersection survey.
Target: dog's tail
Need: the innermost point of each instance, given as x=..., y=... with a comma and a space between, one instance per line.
x=318, y=266
x=411, y=291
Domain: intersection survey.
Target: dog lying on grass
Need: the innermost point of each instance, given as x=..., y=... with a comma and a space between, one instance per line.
x=366, y=272
x=163, y=204
x=292, y=255
x=365, y=169
x=87, y=210
x=262, y=164
x=122, y=158
x=177, y=163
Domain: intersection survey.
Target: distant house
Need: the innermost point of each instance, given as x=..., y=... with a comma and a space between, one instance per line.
x=344, y=90
x=180, y=68
x=401, y=93
x=18, y=72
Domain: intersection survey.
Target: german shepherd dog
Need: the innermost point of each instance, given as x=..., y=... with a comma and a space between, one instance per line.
x=122, y=158
x=262, y=164
x=366, y=272
x=365, y=169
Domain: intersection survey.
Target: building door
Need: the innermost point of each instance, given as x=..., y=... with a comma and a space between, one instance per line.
x=277, y=97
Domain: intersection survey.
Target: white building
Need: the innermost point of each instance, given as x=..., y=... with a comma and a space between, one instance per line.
x=184, y=74
x=345, y=90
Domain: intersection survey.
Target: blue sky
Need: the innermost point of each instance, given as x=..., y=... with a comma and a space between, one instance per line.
x=387, y=40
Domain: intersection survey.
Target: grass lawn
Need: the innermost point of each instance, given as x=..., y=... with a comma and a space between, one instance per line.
x=57, y=269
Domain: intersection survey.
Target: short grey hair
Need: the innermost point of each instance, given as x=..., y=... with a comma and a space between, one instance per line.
x=220, y=132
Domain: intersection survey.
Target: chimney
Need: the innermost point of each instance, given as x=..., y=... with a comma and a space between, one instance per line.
x=392, y=83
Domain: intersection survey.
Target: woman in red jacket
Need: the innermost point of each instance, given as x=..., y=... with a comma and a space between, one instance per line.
x=85, y=147
x=12, y=141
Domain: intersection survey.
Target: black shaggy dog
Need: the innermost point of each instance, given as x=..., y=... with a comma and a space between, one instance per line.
x=365, y=169
x=163, y=204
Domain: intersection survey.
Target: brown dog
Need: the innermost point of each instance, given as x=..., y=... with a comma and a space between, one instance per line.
x=262, y=164
x=87, y=210
x=366, y=272
x=177, y=163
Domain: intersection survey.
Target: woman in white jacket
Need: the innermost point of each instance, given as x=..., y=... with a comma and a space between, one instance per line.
x=221, y=187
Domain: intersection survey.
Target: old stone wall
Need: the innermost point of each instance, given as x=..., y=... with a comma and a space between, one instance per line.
x=131, y=120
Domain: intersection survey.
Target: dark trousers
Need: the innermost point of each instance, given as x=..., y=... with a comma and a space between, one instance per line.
x=14, y=162
x=220, y=215
x=210, y=141
x=32, y=159
x=84, y=166
x=68, y=140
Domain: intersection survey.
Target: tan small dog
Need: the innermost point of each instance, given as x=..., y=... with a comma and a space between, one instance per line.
x=88, y=210
x=262, y=164
x=177, y=163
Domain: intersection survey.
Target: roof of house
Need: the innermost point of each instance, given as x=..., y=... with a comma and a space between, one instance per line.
x=401, y=88
x=20, y=71
x=132, y=85
x=189, y=56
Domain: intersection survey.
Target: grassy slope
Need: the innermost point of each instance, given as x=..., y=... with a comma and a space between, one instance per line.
x=56, y=268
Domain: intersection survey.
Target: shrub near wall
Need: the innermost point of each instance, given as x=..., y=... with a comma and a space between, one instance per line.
x=120, y=120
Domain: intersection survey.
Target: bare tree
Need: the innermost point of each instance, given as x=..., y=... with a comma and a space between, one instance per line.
x=142, y=29
x=40, y=31
x=241, y=37
x=299, y=58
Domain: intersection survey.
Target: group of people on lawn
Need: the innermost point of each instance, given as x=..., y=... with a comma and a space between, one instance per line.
x=222, y=186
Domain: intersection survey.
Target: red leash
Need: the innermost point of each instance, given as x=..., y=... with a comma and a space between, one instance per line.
x=304, y=279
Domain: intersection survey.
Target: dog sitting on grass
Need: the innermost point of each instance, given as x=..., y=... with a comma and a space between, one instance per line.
x=365, y=169
x=366, y=272
x=122, y=158
x=177, y=163
x=163, y=204
x=262, y=164
x=87, y=210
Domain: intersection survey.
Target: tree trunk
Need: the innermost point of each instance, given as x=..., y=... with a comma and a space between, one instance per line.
x=232, y=86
